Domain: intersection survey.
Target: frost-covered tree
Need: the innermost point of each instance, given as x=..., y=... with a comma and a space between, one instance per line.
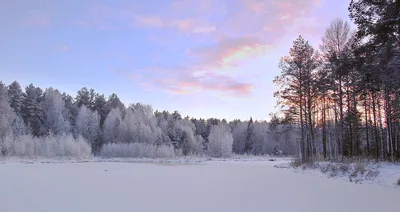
x=201, y=127
x=185, y=135
x=147, y=129
x=71, y=109
x=15, y=97
x=113, y=101
x=239, y=137
x=18, y=126
x=49, y=146
x=6, y=118
x=220, y=141
x=32, y=111
x=54, y=111
x=86, y=97
x=100, y=106
x=88, y=126
x=111, y=128
x=250, y=140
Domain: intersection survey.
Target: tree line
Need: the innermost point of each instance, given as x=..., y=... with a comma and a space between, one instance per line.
x=345, y=98
x=49, y=123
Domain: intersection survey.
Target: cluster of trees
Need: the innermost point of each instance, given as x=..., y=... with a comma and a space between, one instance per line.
x=49, y=123
x=345, y=98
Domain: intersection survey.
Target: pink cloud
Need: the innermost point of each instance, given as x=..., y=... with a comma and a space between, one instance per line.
x=190, y=83
x=256, y=15
x=185, y=80
x=228, y=52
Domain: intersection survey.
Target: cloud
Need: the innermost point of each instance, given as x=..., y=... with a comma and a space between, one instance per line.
x=223, y=35
x=228, y=52
x=187, y=83
x=182, y=25
x=204, y=30
x=190, y=83
x=184, y=80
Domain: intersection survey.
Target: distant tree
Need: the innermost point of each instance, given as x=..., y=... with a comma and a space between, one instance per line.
x=6, y=118
x=88, y=126
x=112, y=126
x=239, y=131
x=100, y=106
x=113, y=101
x=250, y=137
x=220, y=141
x=83, y=97
x=32, y=111
x=16, y=97
x=71, y=109
x=176, y=115
x=54, y=111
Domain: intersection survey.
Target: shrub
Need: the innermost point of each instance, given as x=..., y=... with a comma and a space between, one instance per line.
x=333, y=170
x=344, y=168
x=358, y=169
x=49, y=146
x=137, y=150
x=296, y=163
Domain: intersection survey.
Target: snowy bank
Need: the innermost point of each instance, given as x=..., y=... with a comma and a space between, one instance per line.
x=384, y=174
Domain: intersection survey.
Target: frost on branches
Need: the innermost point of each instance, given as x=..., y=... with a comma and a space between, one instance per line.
x=220, y=141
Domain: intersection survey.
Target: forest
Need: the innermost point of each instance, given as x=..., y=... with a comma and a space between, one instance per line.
x=345, y=98
x=37, y=123
x=340, y=100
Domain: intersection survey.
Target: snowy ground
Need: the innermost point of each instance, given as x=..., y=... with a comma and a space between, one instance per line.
x=199, y=186
x=382, y=174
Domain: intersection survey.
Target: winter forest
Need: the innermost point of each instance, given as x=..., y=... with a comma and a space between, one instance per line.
x=345, y=98
x=341, y=99
x=52, y=124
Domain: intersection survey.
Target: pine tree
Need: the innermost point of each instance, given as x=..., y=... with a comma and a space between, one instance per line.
x=6, y=118
x=32, y=111
x=297, y=93
x=100, y=107
x=113, y=101
x=16, y=97
x=71, y=109
x=250, y=139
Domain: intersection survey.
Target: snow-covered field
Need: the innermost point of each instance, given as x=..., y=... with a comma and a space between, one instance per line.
x=200, y=186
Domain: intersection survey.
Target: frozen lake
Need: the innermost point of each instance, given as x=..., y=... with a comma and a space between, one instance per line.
x=211, y=186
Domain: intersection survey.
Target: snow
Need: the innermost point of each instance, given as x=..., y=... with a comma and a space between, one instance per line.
x=382, y=174
x=231, y=185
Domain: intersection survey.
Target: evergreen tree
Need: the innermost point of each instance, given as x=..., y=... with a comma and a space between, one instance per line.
x=6, y=118
x=16, y=97
x=71, y=109
x=250, y=140
x=32, y=111
x=100, y=106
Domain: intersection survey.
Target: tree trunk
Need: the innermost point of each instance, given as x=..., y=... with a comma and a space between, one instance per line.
x=375, y=127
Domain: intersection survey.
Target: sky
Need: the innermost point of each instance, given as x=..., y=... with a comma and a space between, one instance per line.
x=204, y=58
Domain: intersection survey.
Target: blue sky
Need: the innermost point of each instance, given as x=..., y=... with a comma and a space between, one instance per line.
x=205, y=58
